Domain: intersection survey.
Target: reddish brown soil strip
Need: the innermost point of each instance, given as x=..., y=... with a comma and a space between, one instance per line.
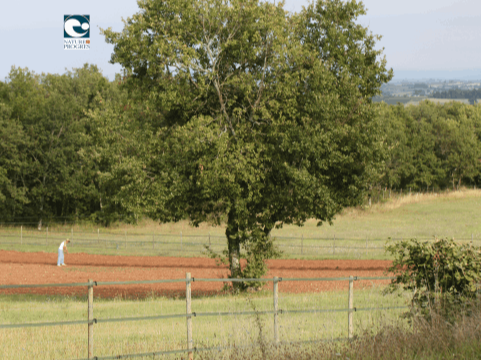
x=40, y=268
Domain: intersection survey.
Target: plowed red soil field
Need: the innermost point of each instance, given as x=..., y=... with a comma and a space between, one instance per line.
x=41, y=268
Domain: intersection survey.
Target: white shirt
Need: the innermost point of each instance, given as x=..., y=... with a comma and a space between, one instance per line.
x=61, y=245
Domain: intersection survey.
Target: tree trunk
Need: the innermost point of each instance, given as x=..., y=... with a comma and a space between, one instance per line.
x=39, y=226
x=267, y=231
x=14, y=202
x=233, y=242
x=42, y=199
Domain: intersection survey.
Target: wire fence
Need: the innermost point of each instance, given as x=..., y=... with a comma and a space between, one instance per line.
x=276, y=312
x=199, y=245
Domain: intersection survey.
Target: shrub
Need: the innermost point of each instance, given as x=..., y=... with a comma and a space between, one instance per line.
x=440, y=273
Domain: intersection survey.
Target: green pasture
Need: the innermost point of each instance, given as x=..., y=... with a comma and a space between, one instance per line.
x=453, y=215
x=357, y=233
x=161, y=335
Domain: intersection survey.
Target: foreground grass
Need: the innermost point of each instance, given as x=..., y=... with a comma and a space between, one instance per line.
x=393, y=343
x=161, y=335
x=377, y=335
x=430, y=340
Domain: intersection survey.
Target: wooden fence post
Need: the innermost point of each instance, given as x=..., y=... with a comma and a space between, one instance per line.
x=276, y=308
x=188, y=303
x=350, y=327
x=209, y=241
x=90, y=320
x=302, y=244
x=334, y=245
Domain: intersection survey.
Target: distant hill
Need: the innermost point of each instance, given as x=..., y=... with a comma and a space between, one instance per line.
x=393, y=100
x=415, y=100
x=437, y=101
x=402, y=75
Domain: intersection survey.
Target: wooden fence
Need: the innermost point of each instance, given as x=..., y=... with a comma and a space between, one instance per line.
x=189, y=314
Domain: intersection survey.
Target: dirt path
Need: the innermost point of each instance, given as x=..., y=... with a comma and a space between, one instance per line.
x=40, y=268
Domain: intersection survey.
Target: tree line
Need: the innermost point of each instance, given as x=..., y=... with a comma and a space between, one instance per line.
x=50, y=164
x=431, y=146
x=472, y=95
x=64, y=138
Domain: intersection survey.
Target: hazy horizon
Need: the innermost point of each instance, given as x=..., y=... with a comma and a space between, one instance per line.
x=421, y=39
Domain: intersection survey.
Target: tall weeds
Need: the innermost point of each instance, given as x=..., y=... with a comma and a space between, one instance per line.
x=427, y=339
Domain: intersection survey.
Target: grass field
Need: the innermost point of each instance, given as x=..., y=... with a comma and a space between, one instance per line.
x=453, y=214
x=356, y=233
x=161, y=335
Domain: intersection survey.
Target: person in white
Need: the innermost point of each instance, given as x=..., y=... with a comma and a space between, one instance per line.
x=62, y=247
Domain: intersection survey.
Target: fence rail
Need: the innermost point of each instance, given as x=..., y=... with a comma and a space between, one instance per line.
x=189, y=314
x=180, y=244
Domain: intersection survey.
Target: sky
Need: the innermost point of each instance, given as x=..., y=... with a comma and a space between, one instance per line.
x=421, y=38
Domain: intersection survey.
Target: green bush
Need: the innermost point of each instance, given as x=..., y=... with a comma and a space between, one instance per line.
x=441, y=274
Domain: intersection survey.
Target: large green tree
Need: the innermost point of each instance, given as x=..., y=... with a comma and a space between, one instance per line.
x=117, y=153
x=255, y=114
